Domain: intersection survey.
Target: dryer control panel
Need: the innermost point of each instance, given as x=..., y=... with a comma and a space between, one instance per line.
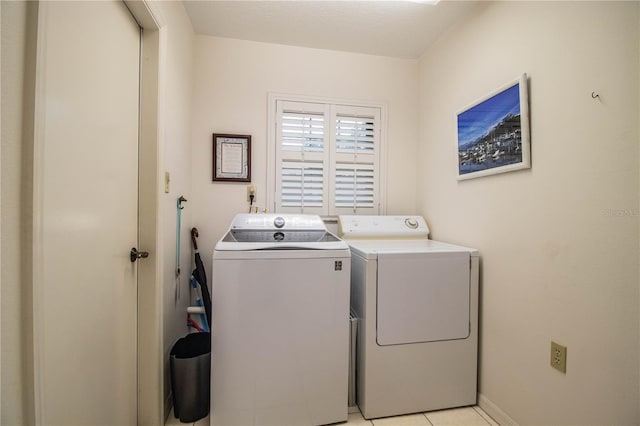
x=352, y=226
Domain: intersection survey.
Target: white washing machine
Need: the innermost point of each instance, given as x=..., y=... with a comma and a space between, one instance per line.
x=417, y=306
x=280, y=323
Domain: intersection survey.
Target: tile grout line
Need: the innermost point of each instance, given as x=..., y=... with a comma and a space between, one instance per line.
x=426, y=417
x=482, y=415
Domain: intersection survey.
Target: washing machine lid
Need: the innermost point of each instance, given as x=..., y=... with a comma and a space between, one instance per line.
x=278, y=232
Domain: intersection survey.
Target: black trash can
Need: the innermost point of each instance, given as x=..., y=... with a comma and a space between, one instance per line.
x=190, y=367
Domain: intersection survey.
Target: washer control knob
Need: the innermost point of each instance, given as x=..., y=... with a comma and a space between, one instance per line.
x=278, y=222
x=411, y=222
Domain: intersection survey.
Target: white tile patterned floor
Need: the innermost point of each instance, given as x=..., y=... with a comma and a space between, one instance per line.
x=172, y=421
x=465, y=416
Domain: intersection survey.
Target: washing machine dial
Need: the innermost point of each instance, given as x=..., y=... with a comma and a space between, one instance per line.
x=278, y=222
x=411, y=223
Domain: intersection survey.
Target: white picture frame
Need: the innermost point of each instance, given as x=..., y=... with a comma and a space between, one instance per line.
x=493, y=132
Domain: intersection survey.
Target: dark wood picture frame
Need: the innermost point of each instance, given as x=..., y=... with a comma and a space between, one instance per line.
x=231, y=158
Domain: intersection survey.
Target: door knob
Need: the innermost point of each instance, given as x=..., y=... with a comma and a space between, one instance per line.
x=134, y=254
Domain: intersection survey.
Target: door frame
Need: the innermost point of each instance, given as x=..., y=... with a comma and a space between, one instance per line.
x=151, y=407
x=150, y=353
x=150, y=404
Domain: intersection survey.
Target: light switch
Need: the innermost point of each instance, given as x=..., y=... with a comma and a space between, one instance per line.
x=167, y=179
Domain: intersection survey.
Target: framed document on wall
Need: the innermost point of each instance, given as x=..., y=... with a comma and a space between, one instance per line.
x=231, y=158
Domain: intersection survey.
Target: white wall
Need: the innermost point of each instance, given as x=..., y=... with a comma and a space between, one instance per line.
x=176, y=72
x=559, y=242
x=232, y=80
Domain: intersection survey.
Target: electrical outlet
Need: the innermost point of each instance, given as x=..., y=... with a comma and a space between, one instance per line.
x=251, y=190
x=559, y=357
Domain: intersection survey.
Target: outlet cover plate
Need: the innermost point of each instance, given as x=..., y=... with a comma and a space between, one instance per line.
x=559, y=357
x=251, y=189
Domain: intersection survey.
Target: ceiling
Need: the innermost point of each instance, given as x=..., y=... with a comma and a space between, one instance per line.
x=401, y=29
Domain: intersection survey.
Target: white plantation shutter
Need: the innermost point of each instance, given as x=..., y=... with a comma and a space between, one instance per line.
x=302, y=132
x=302, y=156
x=355, y=134
x=327, y=158
x=354, y=184
x=355, y=187
x=302, y=185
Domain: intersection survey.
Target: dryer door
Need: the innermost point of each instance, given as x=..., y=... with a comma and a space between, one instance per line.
x=422, y=297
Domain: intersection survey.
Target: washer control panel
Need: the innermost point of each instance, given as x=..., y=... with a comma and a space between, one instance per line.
x=270, y=221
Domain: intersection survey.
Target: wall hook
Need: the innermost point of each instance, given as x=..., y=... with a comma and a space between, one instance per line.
x=594, y=95
x=180, y=201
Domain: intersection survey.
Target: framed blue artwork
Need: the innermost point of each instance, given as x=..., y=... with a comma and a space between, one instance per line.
x=493, y=132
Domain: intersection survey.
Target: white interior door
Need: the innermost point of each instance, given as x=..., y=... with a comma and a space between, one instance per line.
x=86, y=208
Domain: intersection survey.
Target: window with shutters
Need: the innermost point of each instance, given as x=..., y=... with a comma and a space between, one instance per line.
x=327, y=158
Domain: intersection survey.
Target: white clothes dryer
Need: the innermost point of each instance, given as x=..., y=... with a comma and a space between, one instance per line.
x=416, y=301
x=280, y=323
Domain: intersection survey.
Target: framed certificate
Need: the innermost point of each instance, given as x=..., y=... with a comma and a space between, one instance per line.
x=231, y=158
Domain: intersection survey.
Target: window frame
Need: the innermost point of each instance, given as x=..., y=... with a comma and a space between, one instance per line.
x=272, y=167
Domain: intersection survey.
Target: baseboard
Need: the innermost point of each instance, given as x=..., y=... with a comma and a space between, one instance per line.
x=495, y=412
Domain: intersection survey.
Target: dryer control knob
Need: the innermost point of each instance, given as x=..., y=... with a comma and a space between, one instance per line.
x=411, y=223
x=278, y=222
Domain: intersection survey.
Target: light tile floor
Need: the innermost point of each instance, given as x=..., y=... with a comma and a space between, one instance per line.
x=172, y=421
x=465, y=416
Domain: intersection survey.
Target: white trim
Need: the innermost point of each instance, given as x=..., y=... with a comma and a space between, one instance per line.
x=151, y=405
x=326, y=100
x=160, y=141
x=382, y=161
x=1, y=244
x=38, y=183
x=271, y=151
x=495, y=412
x=143, y=14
